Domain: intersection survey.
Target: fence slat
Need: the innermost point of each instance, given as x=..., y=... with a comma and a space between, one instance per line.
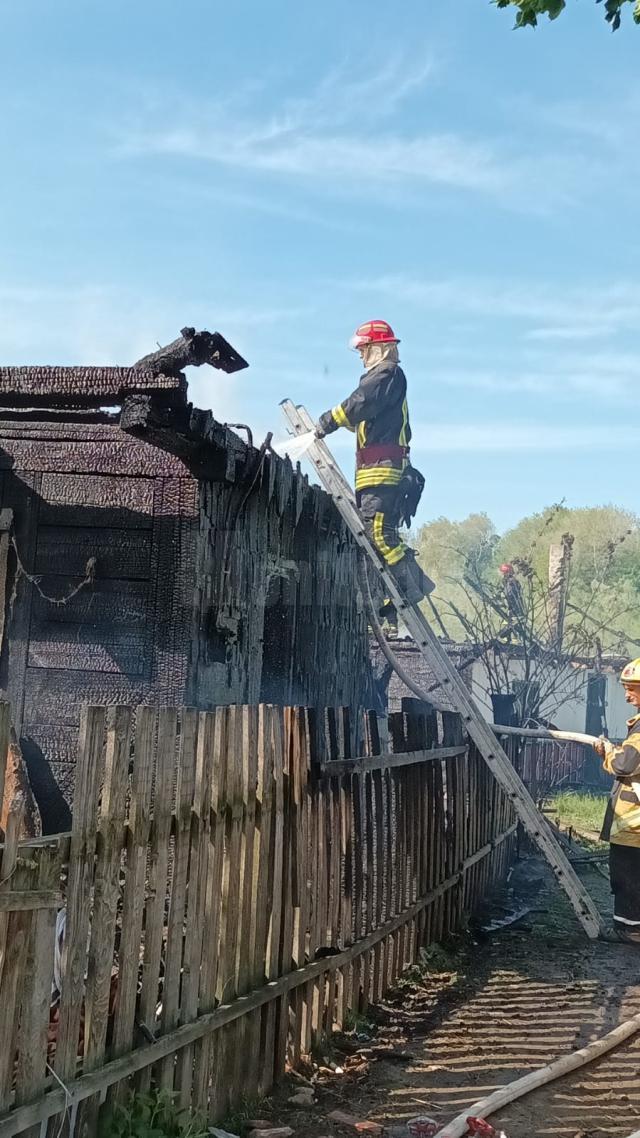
x=105, y=905
x=135, y=879
x=157, y=870
x=83, y=845
x=36, y=998
x=14, y=929
x=214, y=733
x=194, y=921
x=175, y=921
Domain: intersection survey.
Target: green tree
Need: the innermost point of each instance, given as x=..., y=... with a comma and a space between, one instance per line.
x=605, y=570
x=528, y=11
x=595, y=610
x=449, y=551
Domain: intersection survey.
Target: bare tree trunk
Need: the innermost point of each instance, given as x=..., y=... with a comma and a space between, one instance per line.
x=559, y=568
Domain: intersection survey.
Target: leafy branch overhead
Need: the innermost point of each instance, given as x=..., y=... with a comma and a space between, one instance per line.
x=530, y=10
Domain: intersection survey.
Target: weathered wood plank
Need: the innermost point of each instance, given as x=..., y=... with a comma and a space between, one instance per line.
x=14, y=928
x=31, y=1076
x=106, y=895
x=276, y=884
x=28, y=900
x=157, y=872
x=216, y=723
x=195, y=918
x=175, y=923
x=134, y=888
x=91, y=755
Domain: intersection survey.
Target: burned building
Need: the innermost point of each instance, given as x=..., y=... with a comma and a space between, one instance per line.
x=149, y=554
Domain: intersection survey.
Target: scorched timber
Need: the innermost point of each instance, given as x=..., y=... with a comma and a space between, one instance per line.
x=82, y=386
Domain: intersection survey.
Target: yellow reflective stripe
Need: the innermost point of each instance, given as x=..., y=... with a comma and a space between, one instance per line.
x=396, y=555
x=391, y=556
x=405, y=423
x=377, y=476
x=362, y=435
x=338, y=415
x=626, y=821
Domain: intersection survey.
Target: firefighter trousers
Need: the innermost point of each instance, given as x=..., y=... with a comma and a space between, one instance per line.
x=379, y=512
x=624, y=869
x=379, y=509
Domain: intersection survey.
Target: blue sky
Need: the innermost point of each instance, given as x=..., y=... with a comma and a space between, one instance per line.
x=282, y=171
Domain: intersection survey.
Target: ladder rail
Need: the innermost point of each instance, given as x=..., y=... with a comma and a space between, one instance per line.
x=427, y=642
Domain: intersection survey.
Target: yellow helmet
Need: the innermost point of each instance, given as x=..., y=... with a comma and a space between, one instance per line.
x=631, y=672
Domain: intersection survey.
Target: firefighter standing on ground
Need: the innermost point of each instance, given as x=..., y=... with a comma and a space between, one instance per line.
x=622, y=821
x=377, y=411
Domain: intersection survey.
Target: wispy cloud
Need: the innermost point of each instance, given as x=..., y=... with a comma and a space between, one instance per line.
x=439, y=159
x=340, y=97
x=319, y=139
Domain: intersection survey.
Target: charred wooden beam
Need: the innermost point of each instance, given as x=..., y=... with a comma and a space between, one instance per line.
x=59, y=415
x=194, y=349
x=181, y=431
x=81, y=387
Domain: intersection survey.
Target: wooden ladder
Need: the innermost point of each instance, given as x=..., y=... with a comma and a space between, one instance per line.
x=451, y=682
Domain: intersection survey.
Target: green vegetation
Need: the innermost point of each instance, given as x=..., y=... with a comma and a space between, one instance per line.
x=604, y=585
x=444, y=959
x=580, y=811
x=358, y=1023
x=153, y=1115
x=528, y=11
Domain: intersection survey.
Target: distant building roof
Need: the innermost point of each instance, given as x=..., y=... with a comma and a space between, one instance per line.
x=414, y=663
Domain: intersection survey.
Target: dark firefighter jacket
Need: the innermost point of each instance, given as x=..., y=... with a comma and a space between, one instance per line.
x=622, y=821
x=377, y=411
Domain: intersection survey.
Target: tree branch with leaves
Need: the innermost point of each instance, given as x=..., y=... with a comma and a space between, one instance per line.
x=528, y=12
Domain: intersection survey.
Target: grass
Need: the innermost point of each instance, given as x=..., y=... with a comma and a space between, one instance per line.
x=358, y=1023
x=153, y=1115
x=157, y=1115
x=581, y=811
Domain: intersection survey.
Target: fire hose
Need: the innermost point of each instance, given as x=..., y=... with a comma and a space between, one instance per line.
x=457, y=1128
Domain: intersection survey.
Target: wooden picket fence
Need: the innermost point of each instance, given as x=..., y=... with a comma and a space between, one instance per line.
x=545, y=766
x=236, y=882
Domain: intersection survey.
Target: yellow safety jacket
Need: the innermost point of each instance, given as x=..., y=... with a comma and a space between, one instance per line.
x=622, y=820
x=377, y=411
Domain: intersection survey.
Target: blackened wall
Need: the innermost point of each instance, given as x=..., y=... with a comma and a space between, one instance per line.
x=204, y=591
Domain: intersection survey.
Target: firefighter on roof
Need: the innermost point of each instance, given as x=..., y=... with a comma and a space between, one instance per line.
x=622, y=821
x=388, y=488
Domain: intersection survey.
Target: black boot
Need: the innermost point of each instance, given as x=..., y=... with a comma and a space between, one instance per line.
x=412, y=582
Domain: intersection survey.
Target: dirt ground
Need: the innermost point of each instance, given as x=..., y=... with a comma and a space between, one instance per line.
x=487, y=1010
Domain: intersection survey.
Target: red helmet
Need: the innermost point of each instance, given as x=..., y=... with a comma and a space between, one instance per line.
x=506, y=568
x=373, y=332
